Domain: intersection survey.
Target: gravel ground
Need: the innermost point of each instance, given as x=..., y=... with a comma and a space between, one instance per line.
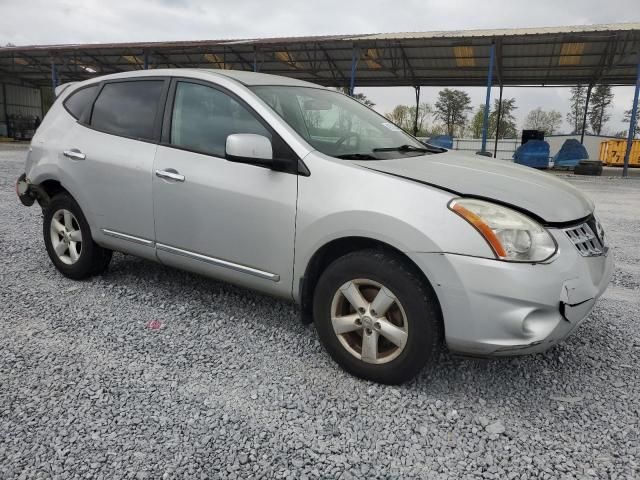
x=232, y=385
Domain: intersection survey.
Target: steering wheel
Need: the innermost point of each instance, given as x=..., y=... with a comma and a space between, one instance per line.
x=344, y=138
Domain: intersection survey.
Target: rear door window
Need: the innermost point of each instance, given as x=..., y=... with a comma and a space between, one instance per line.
x=128, y=109
x=80, y=100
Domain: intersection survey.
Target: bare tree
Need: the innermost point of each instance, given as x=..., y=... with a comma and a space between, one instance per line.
x=547, y=121
x=400, y=115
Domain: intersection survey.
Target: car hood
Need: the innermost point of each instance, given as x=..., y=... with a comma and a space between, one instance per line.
x=542, y=194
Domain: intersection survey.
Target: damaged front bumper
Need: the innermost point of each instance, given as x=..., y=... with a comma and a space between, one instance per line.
x=492, y=308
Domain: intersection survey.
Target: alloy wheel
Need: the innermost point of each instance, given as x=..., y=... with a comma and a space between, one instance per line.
x=369, y=321
x=66, y=237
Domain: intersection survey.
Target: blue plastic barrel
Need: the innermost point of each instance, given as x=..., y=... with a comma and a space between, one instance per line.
x=570, y=154
x=534, y=153
x=444, y=141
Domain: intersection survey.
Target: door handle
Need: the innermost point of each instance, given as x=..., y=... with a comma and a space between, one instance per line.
x=74, y=154
x=170, y=174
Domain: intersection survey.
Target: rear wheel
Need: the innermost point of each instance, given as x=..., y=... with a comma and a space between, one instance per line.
x=377, y=317
x=68, y=240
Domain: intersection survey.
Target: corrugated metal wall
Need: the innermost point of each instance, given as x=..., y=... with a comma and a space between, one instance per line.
x=3, y=115
x=18, y=101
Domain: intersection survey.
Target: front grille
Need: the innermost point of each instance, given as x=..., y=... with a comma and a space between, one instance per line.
x=588, y=238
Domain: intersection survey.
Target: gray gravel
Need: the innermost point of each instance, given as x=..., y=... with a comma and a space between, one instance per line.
x=231, y=385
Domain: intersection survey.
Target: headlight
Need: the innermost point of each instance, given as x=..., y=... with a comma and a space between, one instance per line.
x=512, y=236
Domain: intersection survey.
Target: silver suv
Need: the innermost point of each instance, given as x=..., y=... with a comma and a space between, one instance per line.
x=392, y=247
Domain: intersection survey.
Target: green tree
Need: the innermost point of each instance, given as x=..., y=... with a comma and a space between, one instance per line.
x=477, y=121
x=404, y=117
x=507, y=127
x=361, y=97
x=601, y=99
x=452, y=108
x=548, y=122
x=576, y=107
x=627, y=119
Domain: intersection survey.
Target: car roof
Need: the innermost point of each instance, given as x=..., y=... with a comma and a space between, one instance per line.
x=243, y=77
x=254, y=78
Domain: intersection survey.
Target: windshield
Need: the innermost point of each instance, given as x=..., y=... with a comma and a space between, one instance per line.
x=338, y=125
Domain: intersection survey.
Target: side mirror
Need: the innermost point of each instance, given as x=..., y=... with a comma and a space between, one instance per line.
x=249, y=148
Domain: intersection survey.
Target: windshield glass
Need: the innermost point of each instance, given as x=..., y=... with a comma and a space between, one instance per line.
x=338, y=125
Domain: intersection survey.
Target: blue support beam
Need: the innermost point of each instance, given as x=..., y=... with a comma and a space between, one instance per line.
x=354, y=65
x=632, y=124
x=54, y=75
x=487, y=102
x=255, y=60
x=146, y=60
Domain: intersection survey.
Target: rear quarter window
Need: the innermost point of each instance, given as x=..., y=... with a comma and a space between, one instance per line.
x=128, y=109
x=80, y=100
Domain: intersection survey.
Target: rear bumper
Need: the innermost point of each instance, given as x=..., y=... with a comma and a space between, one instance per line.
x=24, y=191
x=500, y=308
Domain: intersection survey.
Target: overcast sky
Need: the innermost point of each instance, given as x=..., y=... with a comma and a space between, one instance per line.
x=24, y=22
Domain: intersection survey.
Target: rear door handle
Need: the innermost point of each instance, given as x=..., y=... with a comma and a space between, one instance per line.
x=170, y=174
x=74, y=154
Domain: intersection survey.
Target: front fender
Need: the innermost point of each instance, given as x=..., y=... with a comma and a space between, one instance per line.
x=341, y=199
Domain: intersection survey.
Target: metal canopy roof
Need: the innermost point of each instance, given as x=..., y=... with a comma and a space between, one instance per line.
x=529, y=56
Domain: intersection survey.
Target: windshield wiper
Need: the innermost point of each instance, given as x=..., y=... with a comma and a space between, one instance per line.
x=410, y=148
x=357, y=156
x=402, y=148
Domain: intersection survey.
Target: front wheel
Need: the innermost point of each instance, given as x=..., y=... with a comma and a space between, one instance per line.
x=377, y=317
x=67, y=237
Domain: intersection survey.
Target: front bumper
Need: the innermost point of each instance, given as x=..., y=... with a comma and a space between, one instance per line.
x=492, y=307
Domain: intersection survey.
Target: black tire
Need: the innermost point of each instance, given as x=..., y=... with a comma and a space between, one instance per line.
x=588, y=168
x=424, y=319
x=93, y=259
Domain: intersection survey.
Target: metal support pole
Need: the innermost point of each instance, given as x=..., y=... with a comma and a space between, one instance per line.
x=485, y=123
x=146, y=60
x=415, y=118
x=586, y=111
x=495, y=144
x=632, y=124
x=354, y=65
x=5, y=117
x=54, y=76
x=255, y=60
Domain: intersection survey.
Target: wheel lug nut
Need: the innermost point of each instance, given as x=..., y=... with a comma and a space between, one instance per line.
x=358, y=321
x=361, y=310
x=376, y=325
x=368, y=331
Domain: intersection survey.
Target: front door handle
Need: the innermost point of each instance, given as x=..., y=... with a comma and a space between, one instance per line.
x=170, y=174
x=74, y=154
